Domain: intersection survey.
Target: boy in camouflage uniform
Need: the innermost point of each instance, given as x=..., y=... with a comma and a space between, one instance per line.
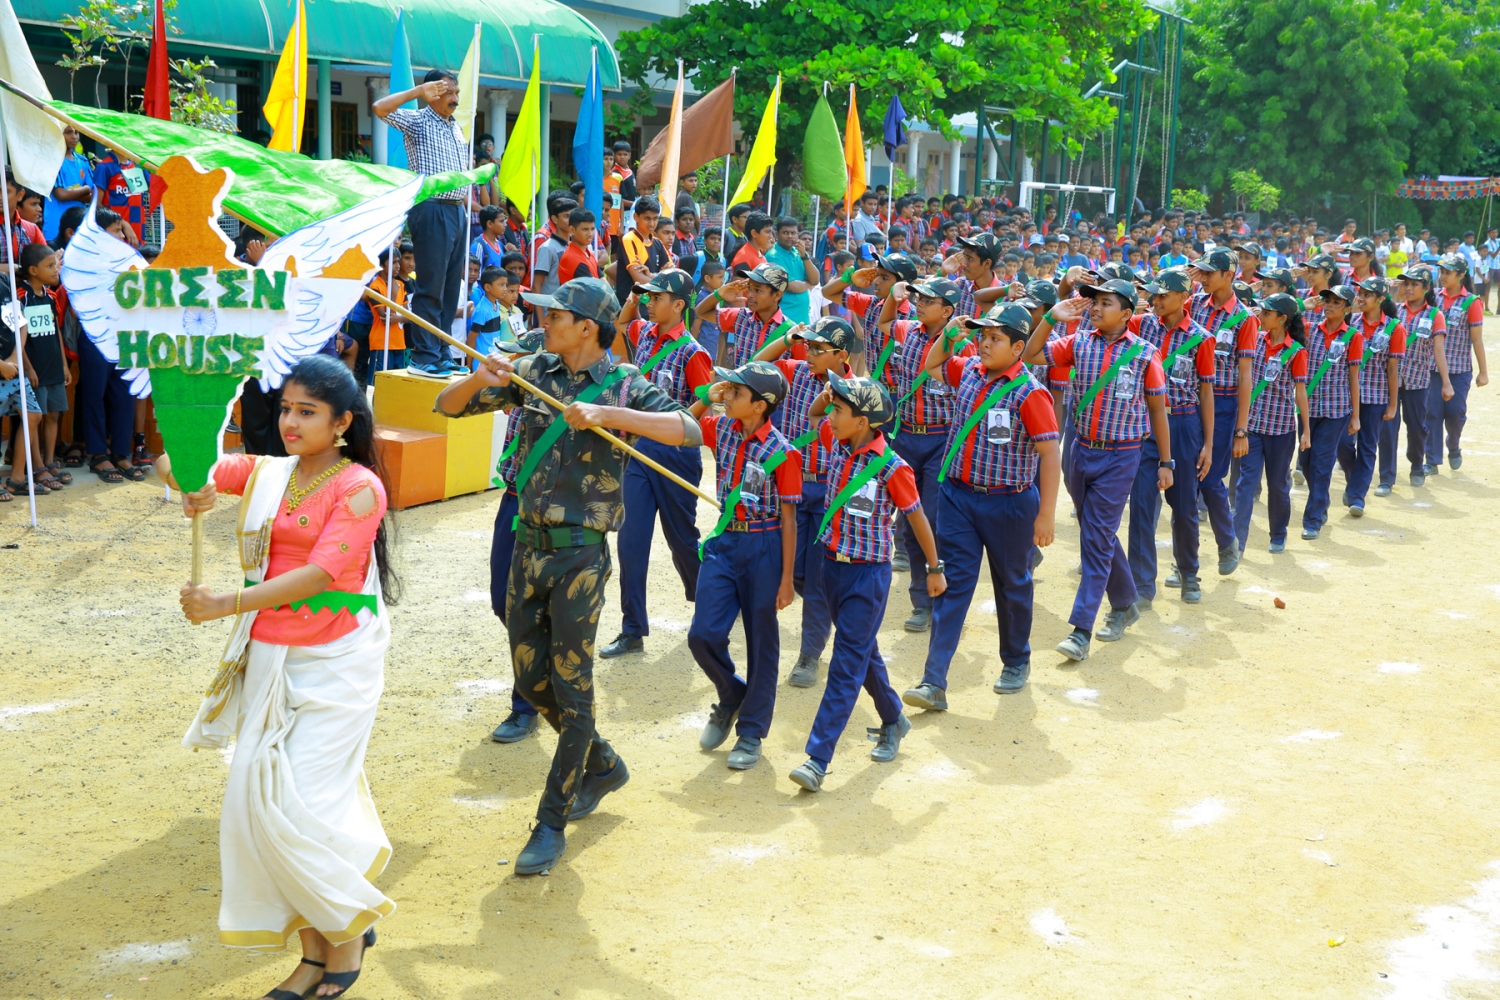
x=568, y=484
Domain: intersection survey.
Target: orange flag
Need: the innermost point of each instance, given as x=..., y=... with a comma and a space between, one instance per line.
x=854, y=157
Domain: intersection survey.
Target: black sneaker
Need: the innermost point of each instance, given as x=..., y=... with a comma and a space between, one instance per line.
x=927, y=696
x=516, y=727
x=805, y=673
x=716, y=730
x=920, y=620
x=596, y=786
x=622, y=644
x=1013, y=678
x=1115, y=624
x=1455, y=460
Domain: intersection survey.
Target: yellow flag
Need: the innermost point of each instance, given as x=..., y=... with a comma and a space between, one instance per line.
x=286, y=103
x=763, y=153
x=854, y=157
x=523, y=147
x=468, y=89
x=671, y=162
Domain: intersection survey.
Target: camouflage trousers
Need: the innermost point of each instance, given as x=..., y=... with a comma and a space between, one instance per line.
x=554, y=603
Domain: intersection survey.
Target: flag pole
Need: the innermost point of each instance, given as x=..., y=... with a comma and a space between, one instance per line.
x=771, y=170
x=724, y=211
x=469, y=191
x=17, y=315
x=390, y=287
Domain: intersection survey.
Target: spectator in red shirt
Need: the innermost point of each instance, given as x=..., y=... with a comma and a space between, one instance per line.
x=578, y=259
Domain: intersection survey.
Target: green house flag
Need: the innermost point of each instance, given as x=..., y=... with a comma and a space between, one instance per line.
x=823, y=171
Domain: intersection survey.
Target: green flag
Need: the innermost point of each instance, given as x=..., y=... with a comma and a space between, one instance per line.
x=276, y=192
x=823, y=170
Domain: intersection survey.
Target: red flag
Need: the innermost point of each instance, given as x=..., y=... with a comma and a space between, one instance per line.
x=158, y=100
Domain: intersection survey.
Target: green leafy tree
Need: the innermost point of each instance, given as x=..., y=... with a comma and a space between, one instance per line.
x=1452, y=54
x=1254, y=194
x=943, y=57
x=192, y=104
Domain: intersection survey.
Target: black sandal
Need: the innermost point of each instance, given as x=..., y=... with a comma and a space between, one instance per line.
x=289, y=995
x=6, y=496
x=344, y=980
x=41, y=488
x=133, y=472
x=110, y=475
x=74, y=455
x=66, y=478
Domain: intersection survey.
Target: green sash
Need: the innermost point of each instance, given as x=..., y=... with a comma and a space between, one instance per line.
x=978, y=415
x=1386, y=328
x=664, y=350
x=885, y=357
x=555, y=429
x=1287, y=354
x=1126, y=357
x=733, y=499
x=853, y=486
x=1317, y=378
x=1186, y=346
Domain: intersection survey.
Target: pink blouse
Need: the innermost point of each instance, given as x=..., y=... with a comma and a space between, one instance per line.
x=322, y=531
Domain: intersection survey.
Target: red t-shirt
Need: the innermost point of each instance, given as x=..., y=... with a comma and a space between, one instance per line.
x=576, y=262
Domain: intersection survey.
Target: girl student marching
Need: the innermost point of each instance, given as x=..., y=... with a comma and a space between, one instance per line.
x=1425, y=361
x=1318, y=272
x=1278, y=401
x=1333, y=353
x=1464, y=316
x=1379, y=388
x=299, y=684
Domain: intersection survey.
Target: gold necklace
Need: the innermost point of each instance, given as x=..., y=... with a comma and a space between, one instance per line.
x=296, y=496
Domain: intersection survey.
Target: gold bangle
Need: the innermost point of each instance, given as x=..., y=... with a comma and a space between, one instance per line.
x=237, y=594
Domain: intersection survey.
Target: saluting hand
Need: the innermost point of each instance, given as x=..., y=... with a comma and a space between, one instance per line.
x=1068, y=310
x=433, y=90
x=865, y=276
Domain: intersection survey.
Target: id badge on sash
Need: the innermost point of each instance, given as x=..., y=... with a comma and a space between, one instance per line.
x=1182, y=370
x=1379, y=342
x=1125, y=384
x=1273, y=370
x=862, y=503
x=1336, y=351
x=1223, y=340
x=1423, y=329
x=998, y=425
x=40, y=322
x=753, y=480
x=135, y=180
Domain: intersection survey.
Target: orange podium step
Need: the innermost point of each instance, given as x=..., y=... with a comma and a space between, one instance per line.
x=443, y=456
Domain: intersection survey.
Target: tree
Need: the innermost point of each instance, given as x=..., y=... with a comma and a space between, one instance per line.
x=942, y=56
x=1254, y=194
x=1453, y=60
x=1310, y=93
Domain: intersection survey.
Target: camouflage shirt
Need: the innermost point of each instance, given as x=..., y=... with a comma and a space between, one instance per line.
x=578, y=479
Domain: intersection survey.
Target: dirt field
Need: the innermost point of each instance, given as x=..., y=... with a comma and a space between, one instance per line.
x=1234, y=801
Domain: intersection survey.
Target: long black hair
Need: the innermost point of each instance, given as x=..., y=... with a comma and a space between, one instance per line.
x=1296, y=329
x=328, y=380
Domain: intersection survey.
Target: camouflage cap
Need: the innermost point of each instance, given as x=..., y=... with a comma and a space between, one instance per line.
x=1042, y=292
x=865, y=396
x=1376, y=284
x=986, y=245
x=899, y=264
x=1217, y=259
x=1344, y=293
x=671, y=281
x=1362, y=245
x=1011, y=314
x=1173, y=279
x=1417, y=272
x=1282, y=303
x=1453, y=262
x=770, y=274
x=1323, y=262
x=760, y=377
x=939, y=288
x=587, y=298
x=1280, y=274
x=832, y=330
x=1114, y=286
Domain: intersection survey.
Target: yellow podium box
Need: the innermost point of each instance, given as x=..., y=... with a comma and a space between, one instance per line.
x=471, y=444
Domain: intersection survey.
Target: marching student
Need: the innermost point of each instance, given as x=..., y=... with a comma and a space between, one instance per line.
x=1332, y=399
x=668, y=356
x=756, y=315
x=827, y=342
x=1425, y=359
x=1318, y=272
x=978, y=286
x=1121, y=394
x=857, y=538
x=1379, y=388
x=998, y=495
x=759, y=486
x=1464, y=315
x=1362, y=264
x=1186, y=352
x=863, y=293
x=1218, y=310
x=924, y=410
x=1277, y=399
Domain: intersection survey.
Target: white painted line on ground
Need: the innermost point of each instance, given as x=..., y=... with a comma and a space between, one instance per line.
x=1451, y=947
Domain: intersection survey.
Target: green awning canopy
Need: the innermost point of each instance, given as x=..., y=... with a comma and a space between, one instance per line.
x=362, y=31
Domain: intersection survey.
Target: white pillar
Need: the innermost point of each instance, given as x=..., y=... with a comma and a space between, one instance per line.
x=991, y=160
x=495, y=118
x=380, y=132
x=955, y=162
x=914, y=161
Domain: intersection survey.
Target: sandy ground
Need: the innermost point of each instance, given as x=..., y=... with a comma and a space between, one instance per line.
x=1234, y=801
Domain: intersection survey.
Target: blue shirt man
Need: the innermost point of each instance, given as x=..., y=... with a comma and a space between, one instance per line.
x=75, y=172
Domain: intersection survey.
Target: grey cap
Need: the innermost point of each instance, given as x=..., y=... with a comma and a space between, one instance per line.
x=589, y=298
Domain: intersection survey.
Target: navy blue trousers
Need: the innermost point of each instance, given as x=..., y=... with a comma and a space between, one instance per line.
x=106, y=409
x=1214, y=488
x=1100, y=482
x=1447, y=414
x=1002, y=526
x=807, y=571
x=1356, y=453
x=740, y=575
x=439, y=231
x=924, y=453
x=648, y=493
x=502, y=547
x=856, y=595
x=1411, y=409
x=1326, y=433
x=1273, y=453
x=1145, y=504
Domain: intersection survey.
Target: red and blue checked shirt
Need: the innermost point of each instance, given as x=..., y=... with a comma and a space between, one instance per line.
x=998, y=451
x=1461, y=311
x=1313, y=318
x=733, y=453
x=1275, y=411
x=868, y=307
x=1417, y=364
x=681, y=371
x=862, y=530
x=1331, y=399
x=114, y=181
x=931, y=405
x=792, y=419
x=1388, y=340
x=1190, y=370
x=967, y=306
x=1118, y=413
x=1229, y=347
x=750, y=334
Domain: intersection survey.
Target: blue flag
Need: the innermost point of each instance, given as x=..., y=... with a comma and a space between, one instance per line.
x=895, y=128
x=401, y=79
x=588, y=143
